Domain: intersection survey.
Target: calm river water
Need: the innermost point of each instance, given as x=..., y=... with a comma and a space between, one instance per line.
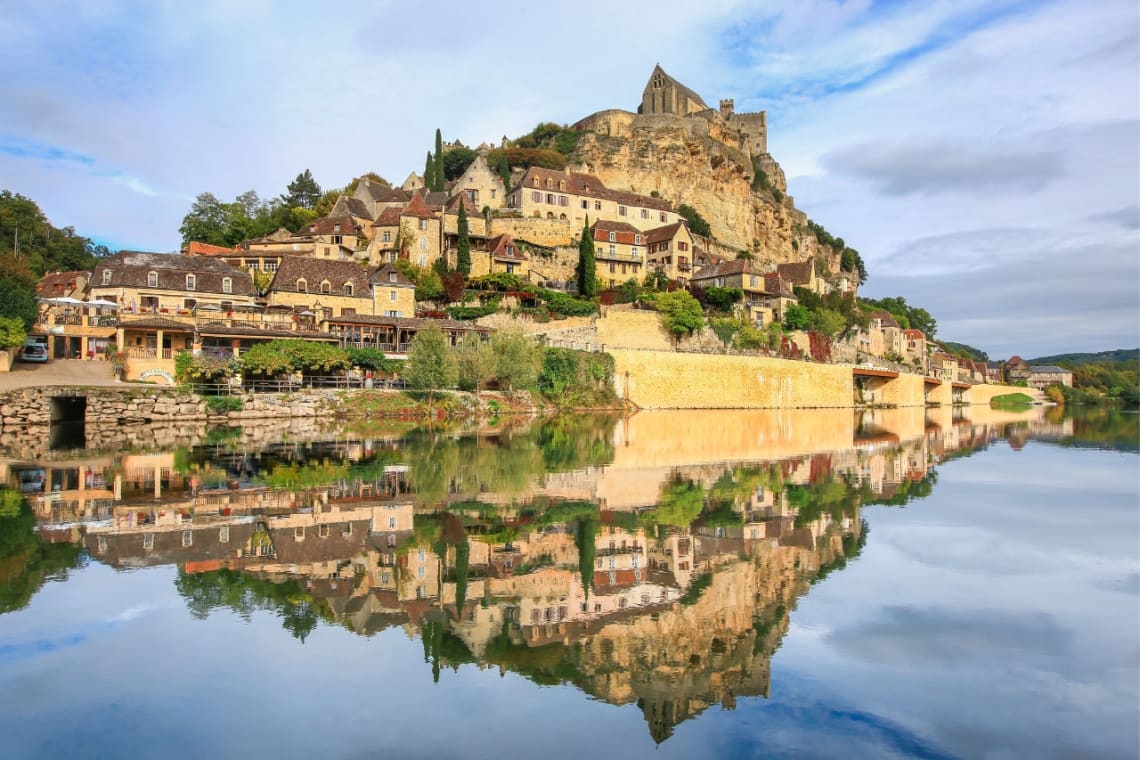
x=945, y=584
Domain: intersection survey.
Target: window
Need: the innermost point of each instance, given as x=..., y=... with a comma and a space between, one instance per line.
x=536, y=184
x=189, y=303
x=323, y=531
x=391, y=277
x=633, y=252
x=637, y=239
x=302, y=286
x=563, y=200
x=535, y=195
x=492, y=193
x=148, y=541
x=387, y=236
x=613, y=250
x=682, y=245
x=562, y=185
x=152, y=279
x=346, y=312
x=187, y=538
x=348, y=291
x=423, y=260
x=472, y=195
x=662, y=216
x=337, y=239
x=585, y=204
x=391, y=295
x=326, y=250
x=621, y=210
x=299, y=533
x=392, y=524
x=613, y=237
x=106, y=276
x=550, y=199
x=613, y=267
x=224, y=534
x=326, y=287
x=597, y=205
x=423, y=224
x=423, y=245
x=191, y=282
x=228, y=284
x=392, y=313
x=644, y=213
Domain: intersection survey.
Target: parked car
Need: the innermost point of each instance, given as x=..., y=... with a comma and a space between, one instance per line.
x=34, y=352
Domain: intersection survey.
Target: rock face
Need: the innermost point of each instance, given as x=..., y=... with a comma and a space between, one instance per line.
x=683, y=160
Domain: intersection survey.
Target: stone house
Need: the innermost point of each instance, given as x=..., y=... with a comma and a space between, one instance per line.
x=1017, y=370
x=671, y=249
x=503, y=256
x=393, y=294
x=943, y=366
x=62, y=285
x=573, y=196
x=160, y=283
x=327, y=288
x=1041, y=376
x=419, y=232
x=741, y=273
x=781, y=294
x=619, y=252
x=377, y=197
x=803, y=275
x=914, y=345
x=482, y=186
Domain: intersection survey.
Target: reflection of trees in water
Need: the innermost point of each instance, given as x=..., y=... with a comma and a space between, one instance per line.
x=26, y=560
x=243, y=593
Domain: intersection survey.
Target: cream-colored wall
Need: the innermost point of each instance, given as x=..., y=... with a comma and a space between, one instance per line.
x=662, y=379
x=940, y=394
x=596, y=209
x=485, y=182
x=337, y=302
x=630, y=328
x=550, y=232
x=171, y=300
x=904, y=390
x=382, y=303
x=984, y=394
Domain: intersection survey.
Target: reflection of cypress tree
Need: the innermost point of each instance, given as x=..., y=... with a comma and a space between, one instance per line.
x=584, y=538
x=462, y=555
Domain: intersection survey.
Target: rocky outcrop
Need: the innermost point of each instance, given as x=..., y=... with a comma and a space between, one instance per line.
x=682, y=160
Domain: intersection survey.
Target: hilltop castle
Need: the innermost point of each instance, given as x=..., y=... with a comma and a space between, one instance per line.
x=665, y=95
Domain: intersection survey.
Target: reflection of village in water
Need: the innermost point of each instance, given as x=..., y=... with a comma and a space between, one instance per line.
x=627, y=556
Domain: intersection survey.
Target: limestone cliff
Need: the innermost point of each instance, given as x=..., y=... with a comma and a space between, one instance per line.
x=684, y=160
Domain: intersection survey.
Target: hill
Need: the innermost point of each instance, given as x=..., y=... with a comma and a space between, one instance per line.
x=1118, y=356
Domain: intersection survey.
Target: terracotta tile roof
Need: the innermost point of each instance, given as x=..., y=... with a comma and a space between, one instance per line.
x=775, y=283
x=797, y=274
x=885, y=317
x=220, y=330
x=331, y=225
x=389, y=217
x=659, y=234
x=55, y=284
x=601, y=230
x=132, y=268
x=503, y=247
x=417, y=207
x=383, y=276
x=196, y=248
x=315, y=271
x=453, y=205
x=914, y=334
x=586, y=185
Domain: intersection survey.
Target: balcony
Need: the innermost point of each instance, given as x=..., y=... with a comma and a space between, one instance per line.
x=603, y=255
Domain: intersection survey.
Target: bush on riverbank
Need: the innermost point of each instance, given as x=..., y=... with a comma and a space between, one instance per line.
x=1011, y=401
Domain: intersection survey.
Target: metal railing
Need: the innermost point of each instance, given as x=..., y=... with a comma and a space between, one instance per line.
x=293, y=384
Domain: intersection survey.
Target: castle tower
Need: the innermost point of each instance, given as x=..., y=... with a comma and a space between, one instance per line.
x=664, y=94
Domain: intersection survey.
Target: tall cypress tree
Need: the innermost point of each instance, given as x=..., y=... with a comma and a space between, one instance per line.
x=429, y=171
x=437, y=173
x=586, y=273
x=463, y=247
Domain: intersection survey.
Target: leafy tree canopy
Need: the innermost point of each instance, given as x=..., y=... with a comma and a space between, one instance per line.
x=696, y=222
x=681, y=312
x=42, y=246
x=302, y=191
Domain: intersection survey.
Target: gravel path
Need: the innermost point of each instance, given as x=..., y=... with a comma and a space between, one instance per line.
x=58, y=372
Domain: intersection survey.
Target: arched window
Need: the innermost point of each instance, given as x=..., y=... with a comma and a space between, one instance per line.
x=561, y=216
x=302, y=286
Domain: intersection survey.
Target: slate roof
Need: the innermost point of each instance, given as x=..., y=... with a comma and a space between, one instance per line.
x=585, y=185
x=131, y=269
x=502, y=247
x=775, y=284
x=373, y=189
x=1048, y=369
x=680, y=87
x=331, y=225
x=346, y=205
x=885, y=317
x=314, y=271
x=659, y=234
x=383, y=276
x=156, y=322
x=389, y=217
x=797, y=274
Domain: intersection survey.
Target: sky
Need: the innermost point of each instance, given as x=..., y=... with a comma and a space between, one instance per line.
x=982, y=155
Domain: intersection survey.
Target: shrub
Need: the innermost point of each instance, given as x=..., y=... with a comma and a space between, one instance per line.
x=224, y=403
x=681, y=313
x=567, y=305
x=12, y=334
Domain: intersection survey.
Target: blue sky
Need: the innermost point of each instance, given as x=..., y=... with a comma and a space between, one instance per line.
x=983, y=156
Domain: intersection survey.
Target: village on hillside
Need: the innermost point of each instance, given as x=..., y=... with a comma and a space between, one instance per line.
x=497, y=246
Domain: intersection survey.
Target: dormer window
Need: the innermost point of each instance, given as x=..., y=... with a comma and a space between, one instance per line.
x=336, y=227
x=391, y=277
x=536, y=181
x=302, y=286
x=637, y=239
x=191, y=282
x=348, y=288
x=227, y=285
x=152, y=279
x=106, y=276
x=562, y=185
x=326, y=287
x=613, y=236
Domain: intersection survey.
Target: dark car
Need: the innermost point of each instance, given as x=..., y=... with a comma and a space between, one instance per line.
x=34, y=352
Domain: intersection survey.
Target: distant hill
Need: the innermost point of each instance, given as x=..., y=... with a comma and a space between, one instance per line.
x=1112, y=357
x=962, y=349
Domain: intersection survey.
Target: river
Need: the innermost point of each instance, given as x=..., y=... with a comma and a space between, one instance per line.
x=906, y=583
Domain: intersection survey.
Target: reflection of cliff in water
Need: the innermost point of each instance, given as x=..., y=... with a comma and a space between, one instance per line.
x=637, y=559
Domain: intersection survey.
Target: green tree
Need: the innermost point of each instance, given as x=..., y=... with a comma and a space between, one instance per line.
x=696, y=222
x=12, y=333
x=518, y=358
x=828, y=322
x=437, y=164
x=797, y=317
x=463, y=246
x=681, y=313
x=302, y=191
x=18, y=286
x=429, y=171
x=455, y=162
x=586, y=273
x=207, y=221
x=475, y=360
x=431, y=363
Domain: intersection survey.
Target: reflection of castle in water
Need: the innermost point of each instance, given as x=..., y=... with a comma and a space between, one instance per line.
x=635, y=562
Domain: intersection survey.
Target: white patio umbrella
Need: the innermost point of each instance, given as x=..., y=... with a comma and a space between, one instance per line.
x=102, y=303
